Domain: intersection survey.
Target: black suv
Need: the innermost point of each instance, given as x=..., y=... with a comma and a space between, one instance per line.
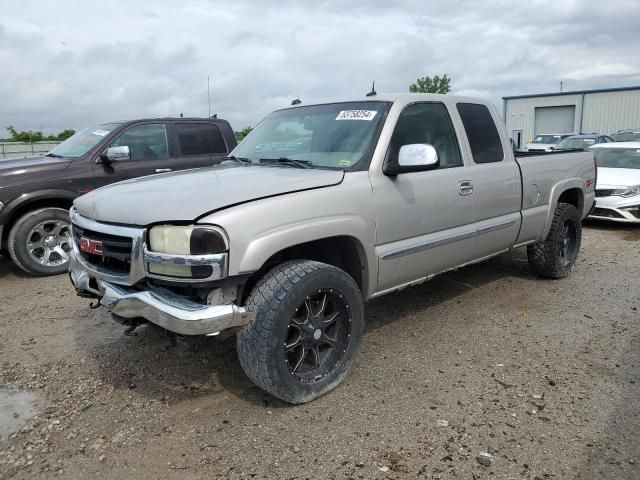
x=36, y=193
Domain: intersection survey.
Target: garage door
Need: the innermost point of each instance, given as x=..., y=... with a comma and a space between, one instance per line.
x=555, y=119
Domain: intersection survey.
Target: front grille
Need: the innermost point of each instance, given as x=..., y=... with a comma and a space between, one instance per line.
x=116, y=250
x=605, y=212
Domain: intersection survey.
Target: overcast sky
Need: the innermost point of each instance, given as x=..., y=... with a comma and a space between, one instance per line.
x=70, y=63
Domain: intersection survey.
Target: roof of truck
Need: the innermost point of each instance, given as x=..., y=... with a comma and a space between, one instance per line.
x=391, y=97
x=170, y=119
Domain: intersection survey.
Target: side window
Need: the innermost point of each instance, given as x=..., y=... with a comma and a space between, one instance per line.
x=427, y=123
x=482, y=133
x=200, y=139
x=146, y=142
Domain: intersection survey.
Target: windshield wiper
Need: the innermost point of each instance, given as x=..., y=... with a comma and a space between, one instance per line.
x=237, y=159
x=54, y=155
x=288, y=161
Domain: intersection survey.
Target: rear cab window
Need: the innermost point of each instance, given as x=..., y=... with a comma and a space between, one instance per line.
x=482, y=133
x=200, y=139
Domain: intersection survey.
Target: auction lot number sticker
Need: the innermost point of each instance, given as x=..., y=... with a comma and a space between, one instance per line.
x=356, y=115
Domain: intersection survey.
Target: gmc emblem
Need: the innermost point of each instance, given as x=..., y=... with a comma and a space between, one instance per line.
x=91, y=246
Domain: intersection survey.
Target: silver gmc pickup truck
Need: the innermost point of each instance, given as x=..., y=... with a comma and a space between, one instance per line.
x=319, y=209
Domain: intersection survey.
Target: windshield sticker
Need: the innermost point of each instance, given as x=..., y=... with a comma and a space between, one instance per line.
x=101, y=133
x=356, y=115
x=344, y=163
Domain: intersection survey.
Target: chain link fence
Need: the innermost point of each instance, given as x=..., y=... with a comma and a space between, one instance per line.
x=24, y=149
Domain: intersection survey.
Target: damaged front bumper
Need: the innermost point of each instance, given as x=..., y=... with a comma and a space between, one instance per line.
x=160, y=306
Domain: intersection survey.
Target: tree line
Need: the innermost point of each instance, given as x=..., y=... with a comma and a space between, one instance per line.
x=31, y=136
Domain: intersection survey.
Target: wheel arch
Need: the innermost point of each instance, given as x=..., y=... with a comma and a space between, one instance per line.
x=570, y=191
x=342, y=251
x=33, y=201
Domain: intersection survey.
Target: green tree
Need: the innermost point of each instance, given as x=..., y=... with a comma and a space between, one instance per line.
x=242, y=133
x=25, y=135
x=66, y=133
x=435, y=84
x=30, y=136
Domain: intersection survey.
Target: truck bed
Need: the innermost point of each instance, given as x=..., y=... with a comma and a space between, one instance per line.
x=540, y=187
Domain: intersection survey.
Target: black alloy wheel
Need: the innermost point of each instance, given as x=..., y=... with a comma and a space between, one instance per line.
x=317, y=336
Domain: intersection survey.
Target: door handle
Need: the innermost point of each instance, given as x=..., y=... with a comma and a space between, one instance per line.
x=465, y=187
x=164, y=170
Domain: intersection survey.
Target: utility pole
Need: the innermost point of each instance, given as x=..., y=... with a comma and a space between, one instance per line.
x=560, y=85
x=208, y=98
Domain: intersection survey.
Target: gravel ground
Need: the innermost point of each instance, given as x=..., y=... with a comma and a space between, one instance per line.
x=487, y=372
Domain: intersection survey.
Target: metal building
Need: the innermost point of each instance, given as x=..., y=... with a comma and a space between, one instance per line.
x=584, y=111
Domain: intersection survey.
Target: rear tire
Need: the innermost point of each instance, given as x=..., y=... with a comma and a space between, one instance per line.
x=555, y=256
x=308, y=327
x=39, y=242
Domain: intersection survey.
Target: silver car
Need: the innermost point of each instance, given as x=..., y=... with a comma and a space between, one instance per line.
x=618, y=182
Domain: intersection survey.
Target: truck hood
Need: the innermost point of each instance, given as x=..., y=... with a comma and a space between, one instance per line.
x=18, y=171
x=618, y=177
x=189, y=194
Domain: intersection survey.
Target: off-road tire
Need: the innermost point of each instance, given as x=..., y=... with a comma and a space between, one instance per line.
x=17, y=241
x=545, y=257
x=275, y=299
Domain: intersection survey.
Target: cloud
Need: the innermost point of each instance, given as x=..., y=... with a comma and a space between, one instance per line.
x=72, y=63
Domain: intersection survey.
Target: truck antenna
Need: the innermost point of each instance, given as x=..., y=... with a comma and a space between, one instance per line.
x=296, y=101
x=372, y=93
x=208, y=97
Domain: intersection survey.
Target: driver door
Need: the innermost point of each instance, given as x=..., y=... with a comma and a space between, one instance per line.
x=149, y=147
x=425, y=220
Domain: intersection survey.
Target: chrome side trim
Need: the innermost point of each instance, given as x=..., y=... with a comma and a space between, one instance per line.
x=444, y=241
x=496, y=227
x=523, y=244
x=420, y=280
x=217, y=262
x=427, y=245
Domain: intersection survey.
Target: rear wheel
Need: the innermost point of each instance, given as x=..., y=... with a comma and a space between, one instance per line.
x=309, y=323
x=554, y=258
x=40, y=241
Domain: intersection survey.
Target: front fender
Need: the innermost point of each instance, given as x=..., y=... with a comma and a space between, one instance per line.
x=270, y=242
x=260, y=229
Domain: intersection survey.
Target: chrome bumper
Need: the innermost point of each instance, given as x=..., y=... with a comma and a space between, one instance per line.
x=173, y=312
x=160, y=306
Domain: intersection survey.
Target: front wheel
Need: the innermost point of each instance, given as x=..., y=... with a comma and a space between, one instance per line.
x=39, y=242
x=555, y=257
x=309, y=323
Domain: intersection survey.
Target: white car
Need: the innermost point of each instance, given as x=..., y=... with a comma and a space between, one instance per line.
x=618, y=181
x=545, y=142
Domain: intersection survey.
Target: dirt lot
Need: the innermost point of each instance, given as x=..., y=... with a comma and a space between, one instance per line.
x=541, y=374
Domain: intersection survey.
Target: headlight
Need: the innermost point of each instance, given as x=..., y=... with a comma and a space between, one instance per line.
x=185, y=240
x=630, y=192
